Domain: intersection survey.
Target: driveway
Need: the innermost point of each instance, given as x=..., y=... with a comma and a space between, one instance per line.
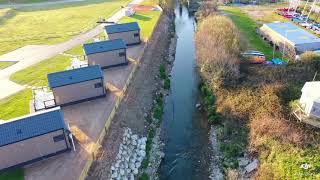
x=33, y=54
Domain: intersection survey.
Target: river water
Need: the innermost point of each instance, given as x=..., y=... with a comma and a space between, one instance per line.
x=184, y=131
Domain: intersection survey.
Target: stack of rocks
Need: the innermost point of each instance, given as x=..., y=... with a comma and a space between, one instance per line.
x=131, y=153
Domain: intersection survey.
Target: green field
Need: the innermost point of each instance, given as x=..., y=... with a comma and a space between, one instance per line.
x=24, y=1
x=146, y=21
x=248, y=29
x=52, y=24
x=12, y=175
x=5, y=64
x=36, y=75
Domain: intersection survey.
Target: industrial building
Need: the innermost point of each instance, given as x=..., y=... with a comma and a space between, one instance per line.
x=77, y=85
x=31, y=138
x=129, y=32
x=106, y=53
x=293, y=37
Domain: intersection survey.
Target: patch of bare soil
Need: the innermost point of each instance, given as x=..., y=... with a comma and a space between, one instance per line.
x=137, y=102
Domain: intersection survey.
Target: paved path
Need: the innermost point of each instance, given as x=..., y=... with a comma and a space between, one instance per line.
x=33, y=54
x=13, y=5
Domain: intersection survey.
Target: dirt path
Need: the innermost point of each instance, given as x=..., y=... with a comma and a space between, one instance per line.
x=137, y=102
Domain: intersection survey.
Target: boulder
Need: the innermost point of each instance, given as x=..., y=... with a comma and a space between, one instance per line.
x=121, y=172
x=252, y=166
x=135, y=171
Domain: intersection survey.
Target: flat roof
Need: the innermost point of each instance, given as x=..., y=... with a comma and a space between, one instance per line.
x=32, y=125
x=116, y=28
x=103, y=46
x=293, y=33
x=74, y=76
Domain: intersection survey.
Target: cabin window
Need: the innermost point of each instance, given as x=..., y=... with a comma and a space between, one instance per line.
x=98, y=85
x=136, y=34
x=58, y=138
x=122, y=54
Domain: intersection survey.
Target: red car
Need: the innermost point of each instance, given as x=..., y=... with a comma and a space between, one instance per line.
x=287, y=15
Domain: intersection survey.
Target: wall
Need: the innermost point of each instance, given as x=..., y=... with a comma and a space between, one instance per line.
x=126, y=36
x=84, y=90
x=106, y=59
x=30, y=149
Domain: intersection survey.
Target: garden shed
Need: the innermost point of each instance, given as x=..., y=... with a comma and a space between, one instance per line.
x=106, y=53
x=310, y=98
x=77, y=85
x=129, y=32
x=32, y=138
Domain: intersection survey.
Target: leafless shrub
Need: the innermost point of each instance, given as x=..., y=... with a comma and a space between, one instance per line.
x=207, y=7
x=217, y=45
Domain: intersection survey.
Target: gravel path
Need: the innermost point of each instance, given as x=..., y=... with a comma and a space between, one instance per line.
x=29, y=55
x=136, y=103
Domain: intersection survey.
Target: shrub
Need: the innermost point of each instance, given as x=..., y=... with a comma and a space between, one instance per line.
x=162, y=72
x=144, y=176
x=217, y=49
x=166, y=83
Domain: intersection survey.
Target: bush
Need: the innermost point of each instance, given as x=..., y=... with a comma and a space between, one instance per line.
x=162, y=72
x=166, y=83
x=217, y=49
x=144, y=176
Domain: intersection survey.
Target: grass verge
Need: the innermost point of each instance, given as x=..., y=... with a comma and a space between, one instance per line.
x=146, y=20
x=5, y=64
x=36, y=75
x=248, y=29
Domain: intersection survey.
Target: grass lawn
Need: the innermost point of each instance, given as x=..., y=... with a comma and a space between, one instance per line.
x=248, y=28
x=53, y=24
x=5, y=64
x=17, y=174
x=36, y=75
x=24, y=1
x=146, y=20
x=15, y=105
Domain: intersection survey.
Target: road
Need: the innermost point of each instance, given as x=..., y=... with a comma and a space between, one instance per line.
x=33, y=54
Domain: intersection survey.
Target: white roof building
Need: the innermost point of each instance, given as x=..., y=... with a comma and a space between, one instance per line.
x=310, y=98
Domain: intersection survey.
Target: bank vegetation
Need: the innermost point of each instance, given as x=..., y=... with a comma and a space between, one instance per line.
x=249, y=105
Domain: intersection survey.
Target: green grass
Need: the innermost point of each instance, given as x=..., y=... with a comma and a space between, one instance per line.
x=284, y=160
x=24, y=1
x=12, y=175
x=50, y=25
x=15, y=105
x=5, y=64
x=36, y=75
x=146, y=20
x=248, y=29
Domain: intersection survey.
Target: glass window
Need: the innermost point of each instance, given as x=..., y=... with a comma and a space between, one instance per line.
x=58, y=138
x=136, y=34
x=122, y=54
x=98, y=85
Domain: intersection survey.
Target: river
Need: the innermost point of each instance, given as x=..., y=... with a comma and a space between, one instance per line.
x=184, y=131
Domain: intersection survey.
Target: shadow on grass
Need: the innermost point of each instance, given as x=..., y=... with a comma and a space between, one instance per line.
x=141, y=17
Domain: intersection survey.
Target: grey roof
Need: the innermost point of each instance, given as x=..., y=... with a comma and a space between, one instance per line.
x=32, y=125
x=103, y=46
x=293, y=33
x=74, y=76
x=116, y=28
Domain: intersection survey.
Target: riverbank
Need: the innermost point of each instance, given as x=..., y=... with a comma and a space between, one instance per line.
x=135, y=109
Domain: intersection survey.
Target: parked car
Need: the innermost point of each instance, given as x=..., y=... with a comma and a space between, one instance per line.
x=255, y=57
x=315, y=27
x=306, y=24
x=299, y=19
